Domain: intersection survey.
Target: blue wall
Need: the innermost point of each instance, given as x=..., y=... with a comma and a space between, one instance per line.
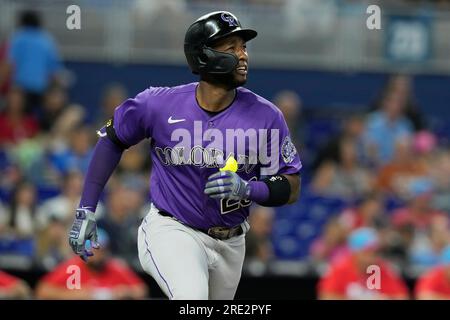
x=317, y=88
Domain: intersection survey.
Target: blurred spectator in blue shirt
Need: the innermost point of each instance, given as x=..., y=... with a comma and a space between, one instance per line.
x=404, y=85
x=78, y=154
x=33, y=58
x=387, y=126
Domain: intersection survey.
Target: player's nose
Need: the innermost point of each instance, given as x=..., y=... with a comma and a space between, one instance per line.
x=242, y=54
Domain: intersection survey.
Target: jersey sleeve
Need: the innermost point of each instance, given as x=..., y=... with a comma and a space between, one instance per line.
x=282, y=150
x=132, y=120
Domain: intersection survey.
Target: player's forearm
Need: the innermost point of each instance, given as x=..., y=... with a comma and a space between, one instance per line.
x=105, y=159
x=275, y=191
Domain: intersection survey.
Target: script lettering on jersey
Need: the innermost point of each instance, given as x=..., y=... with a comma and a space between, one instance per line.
x=205, y=148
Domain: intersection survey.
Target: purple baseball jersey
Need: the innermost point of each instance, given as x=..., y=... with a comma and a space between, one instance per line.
x=188, y=144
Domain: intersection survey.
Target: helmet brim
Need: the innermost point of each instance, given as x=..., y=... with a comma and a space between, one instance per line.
x=245, y=34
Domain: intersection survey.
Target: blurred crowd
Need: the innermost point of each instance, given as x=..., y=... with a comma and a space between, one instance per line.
x=392, y=172
x=386, y=155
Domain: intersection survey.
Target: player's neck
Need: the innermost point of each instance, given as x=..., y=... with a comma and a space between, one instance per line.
x=214, y=98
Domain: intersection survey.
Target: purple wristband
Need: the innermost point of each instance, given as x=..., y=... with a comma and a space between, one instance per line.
x=259, y=191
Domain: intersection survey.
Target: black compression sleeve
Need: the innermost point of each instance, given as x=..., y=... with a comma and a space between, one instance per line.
x=279, y=191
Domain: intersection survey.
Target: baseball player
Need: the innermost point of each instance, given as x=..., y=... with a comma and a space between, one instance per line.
x=192, y=241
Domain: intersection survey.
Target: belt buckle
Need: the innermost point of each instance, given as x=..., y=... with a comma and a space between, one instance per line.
x=220, y=233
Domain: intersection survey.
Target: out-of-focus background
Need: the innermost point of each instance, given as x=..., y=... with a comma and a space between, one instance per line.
x=368, y=110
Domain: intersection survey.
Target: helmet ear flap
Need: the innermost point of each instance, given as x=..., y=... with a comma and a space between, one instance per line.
x=203, y=56
x=201, y=60
x=219, y=62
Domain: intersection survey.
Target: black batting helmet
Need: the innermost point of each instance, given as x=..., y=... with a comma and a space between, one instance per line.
x=203, y=32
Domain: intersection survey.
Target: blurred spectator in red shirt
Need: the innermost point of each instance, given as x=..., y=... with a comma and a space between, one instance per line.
x=351, y=278
x=435, y=283
x=370, y=212
x=102, y=277
x=15, y=124
x=12, y=287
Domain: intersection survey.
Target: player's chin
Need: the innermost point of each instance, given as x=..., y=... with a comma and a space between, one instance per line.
x=240, y=78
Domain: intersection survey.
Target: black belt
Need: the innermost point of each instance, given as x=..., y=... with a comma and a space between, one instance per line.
x=220, y=233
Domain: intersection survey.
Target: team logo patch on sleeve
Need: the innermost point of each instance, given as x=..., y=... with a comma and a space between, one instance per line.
x=288, y=150
x=102, y=132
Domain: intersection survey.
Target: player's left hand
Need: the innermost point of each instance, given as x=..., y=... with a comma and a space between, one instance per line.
x=84, y=228
x=227, y=184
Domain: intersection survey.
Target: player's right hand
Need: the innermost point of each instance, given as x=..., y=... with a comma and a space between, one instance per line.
x=84, y=228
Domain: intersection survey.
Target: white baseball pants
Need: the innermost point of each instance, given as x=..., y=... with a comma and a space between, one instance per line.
x=188, y=264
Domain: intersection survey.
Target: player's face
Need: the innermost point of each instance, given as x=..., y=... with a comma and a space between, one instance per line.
x=237, y=46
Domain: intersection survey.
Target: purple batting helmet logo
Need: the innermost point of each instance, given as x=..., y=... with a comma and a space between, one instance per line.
x=230, y=19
